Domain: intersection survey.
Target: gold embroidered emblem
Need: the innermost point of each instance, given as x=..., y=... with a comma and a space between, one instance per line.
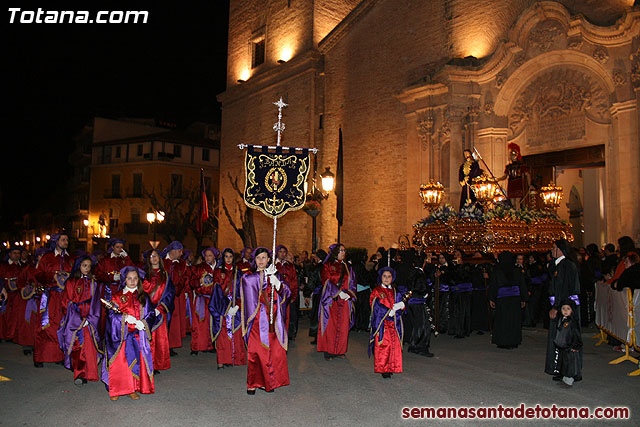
x=79, y=289
x=124, y=299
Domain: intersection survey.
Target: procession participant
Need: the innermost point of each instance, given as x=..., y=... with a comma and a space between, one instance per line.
x=520, y=265
x=225, y=319
x=188, y=257
x=25, y=258
x=364, y=284
x=565, y=283
x=568, y=343
x=460, y=297
x=479, y=300
x=469, y=170
x=315, y=283
x=244, y=264
x=508, y=296
x=419, y=321
x=161, y=293
x=9, y=273
x=336, y=313
x=202, y=283
x=108, y=270
x=443, y=280
x=130, y=364
x=78, y=333
x=263, y=297
x=537, y=288
x=387, y=331
x=52, y=271
x=180, y=275
x=30, y=304
x=517, y=175
x=287, y=271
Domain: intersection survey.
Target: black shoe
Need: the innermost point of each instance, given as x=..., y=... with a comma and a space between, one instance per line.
x=38, y=364
x=386, y=375
x=27, y=351
x=156, y=372
x=327, y=356
x=479, y=333
x=557, y=378
x=194, y=353
x=172, y=353
x=427, y=354
x=227, y=365
x=220, y=367
x=578, y=378
x=314, y=342
x=251, y=392
x=211, y=351
x=60, y=362
x=80, y=381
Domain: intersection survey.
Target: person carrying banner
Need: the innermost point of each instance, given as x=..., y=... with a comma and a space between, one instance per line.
x=263, y=297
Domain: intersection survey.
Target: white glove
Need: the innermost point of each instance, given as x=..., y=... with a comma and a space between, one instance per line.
x=271, y=270
x=116, y=277
x=233, y=310
x=392, y=313
x=86, y=323
x=344, y=295
x=130, y=319
x=139, y=325
x=398, y=306
x=157, y=312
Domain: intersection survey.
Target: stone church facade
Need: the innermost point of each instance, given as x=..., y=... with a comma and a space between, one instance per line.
x=412, y=83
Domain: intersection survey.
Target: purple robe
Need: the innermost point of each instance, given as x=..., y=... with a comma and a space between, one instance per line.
x=250, y=292
x=71, y=325
x=379, y=313
x=219, y=306
x=117, y=333
x=330, y=291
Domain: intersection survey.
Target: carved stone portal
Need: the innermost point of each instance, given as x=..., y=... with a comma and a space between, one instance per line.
x=544, y=34
x=553, y=106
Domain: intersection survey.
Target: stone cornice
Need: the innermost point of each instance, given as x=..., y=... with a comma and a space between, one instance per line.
x=343, y=27
x=308, y=62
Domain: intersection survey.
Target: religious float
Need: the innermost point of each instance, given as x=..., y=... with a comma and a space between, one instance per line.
x=491, y=224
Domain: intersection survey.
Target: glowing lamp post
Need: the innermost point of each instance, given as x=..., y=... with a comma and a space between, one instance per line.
x=154, y=218
x=431, y=195
x=551, y=196
x=328, y=180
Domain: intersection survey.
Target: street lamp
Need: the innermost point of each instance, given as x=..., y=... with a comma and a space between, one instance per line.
x=85, y=222
x=328, y=180
x=154, y=218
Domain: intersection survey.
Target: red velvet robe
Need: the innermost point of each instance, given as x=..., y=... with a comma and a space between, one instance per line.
x=201, y=322
x=84, y=357
x=10, y=319
x=180, y=274
x=154, y=286
x=26, y=327
x=108, y=266
x=335, y=339
x=47, y=348
x=288, y=271
x=388, y=352
x=121, y=380
x=229, y=350
x=244, y=266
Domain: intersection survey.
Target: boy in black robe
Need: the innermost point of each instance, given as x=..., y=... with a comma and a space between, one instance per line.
x=568, y=343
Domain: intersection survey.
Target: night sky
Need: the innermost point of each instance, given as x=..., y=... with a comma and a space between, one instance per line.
x=58, y=76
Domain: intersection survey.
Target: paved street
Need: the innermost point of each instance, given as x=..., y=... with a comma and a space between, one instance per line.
x=469, y=372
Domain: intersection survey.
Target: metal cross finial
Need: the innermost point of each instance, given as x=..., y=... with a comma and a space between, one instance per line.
x=279, y=127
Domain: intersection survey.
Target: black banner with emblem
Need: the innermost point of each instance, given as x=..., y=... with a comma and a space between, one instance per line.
x=275, y=180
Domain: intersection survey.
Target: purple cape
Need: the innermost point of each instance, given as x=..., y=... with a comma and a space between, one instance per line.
x=251, y=288
x=380, y=313
x=219, y=306
x=330, y=291
x=117, y=333
x=71, y=325
x=167, y=300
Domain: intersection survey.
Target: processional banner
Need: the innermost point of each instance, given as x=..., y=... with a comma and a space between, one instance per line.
x=275, y=179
